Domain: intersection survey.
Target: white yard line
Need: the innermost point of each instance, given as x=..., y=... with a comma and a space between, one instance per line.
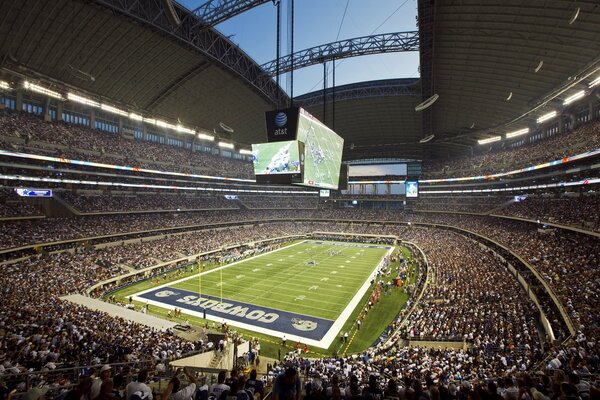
x=331, y=334
x=212, y=270
x=327, y=339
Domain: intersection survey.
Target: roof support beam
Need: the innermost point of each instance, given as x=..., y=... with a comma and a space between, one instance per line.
x=374, y=44
x=213, y=12
x=209, y=42
x=384, y=88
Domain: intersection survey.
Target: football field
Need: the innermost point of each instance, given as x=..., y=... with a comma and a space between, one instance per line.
x=305, y=291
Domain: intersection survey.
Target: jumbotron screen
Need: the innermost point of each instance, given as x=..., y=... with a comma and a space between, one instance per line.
x=323, y=152
x=277, y=158
x=412, y=189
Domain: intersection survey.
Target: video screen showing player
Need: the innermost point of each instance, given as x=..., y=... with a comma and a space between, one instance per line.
x=276, y=158
x=323, y=152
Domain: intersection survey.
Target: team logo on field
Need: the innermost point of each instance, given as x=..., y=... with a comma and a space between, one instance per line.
x=166, y=293
x=304, y=325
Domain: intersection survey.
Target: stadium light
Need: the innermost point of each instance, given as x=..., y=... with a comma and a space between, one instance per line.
x=546, y=117
x=4, y=85
x=226, y=145
x=574, y=97
x=136, y=117
x=83, y=100
x=183, y=129
x=204, y=136
x=489, y=140
x=164, y=124
x=574, y=16
x=427, y=103
x=517, y=133
x=150, y=186
x=595, y=82
x=150, y=121
x=42, y=90
x=246, y=151
x=113, y=110
x=426, y=138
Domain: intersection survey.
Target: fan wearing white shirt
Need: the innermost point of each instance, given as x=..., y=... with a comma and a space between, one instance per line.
x=187, y=392
x=139, y=386
x=220, y=387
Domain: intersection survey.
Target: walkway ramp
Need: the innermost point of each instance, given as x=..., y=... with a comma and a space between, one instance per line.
x=121, y=312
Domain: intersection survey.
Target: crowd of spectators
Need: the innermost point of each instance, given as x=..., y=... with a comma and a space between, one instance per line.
x=582, y=139
x=143, y=201
x=79, y=142
x=142, y=254
x=472, y=296
x=377, y=378
x=568, y=261
x=22, y=131
x=556, y=147
x=13, y=206
x=41, y=331
x=280, y=202
x=478, y=204
x=73, y=141
x=54, y=229
x=580, y=211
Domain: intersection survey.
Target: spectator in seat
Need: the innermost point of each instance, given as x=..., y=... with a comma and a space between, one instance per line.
x=104, y=376
x=139, y=386
x=373, y=391
x=81, y=391
x=287, y=385
x=255, y=385
x=217, y=390
x=185, y=393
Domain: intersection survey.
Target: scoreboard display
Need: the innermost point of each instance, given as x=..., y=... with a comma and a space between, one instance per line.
x=278, y=162
x=320, y=150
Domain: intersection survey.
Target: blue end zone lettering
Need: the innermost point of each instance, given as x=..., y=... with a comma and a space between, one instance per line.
x=264, y=317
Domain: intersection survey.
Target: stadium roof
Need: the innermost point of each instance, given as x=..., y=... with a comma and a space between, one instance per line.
x=475, y=55
x=491, y=62
x=128, y=52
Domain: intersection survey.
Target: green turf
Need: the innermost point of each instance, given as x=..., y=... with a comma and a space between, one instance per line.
x=283, y=280
x=374, y=324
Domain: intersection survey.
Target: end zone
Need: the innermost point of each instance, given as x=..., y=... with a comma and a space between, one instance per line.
x=307, y=329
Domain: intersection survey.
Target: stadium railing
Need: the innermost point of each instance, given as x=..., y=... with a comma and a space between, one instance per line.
x=59, y=380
